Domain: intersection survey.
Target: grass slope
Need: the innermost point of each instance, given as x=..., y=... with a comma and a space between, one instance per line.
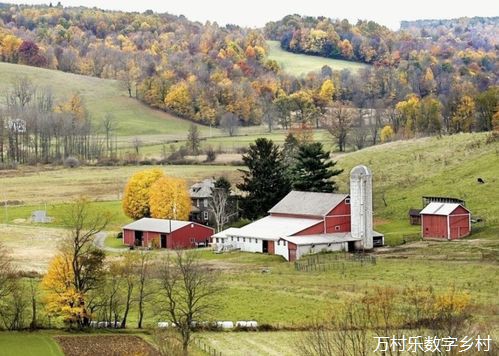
x=404, y=171
x=28, y=344
x=301, y=64
x=101, y=96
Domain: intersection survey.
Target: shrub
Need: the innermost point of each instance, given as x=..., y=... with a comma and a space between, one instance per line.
x=71, y=162
x=211, y=155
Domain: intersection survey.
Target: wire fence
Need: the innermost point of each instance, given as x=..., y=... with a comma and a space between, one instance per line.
x=208, y=349
x=326, y=262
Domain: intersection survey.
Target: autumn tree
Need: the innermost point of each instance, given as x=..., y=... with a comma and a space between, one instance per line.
x=387, y=134
x=463, y=118
x=487, y=105
x=188, y=289
x=314, y=169
x=144, y=288
x=137, y=193
x=229, y=123
x=169, y=199
x=264, y=182
x=78, y=268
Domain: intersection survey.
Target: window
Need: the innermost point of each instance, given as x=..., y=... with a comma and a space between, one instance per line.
x=217, y=239
x=284, y=242
x=249, y=240
x=347, y=201
x=205, y=215
x=197, y=203
x=231, y=238
x=278, y=242
x=205, y=203
x=337, y=227
x=238, y=239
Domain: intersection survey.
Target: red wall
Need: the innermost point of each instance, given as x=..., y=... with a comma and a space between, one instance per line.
x=339, y=216
x=271, y=248
x=313, y=230
x=434, y=226
x=184, y=237
x=292, y=252
x=459, y=223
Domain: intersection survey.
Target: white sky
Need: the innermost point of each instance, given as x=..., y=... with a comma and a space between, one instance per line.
x=255, y=13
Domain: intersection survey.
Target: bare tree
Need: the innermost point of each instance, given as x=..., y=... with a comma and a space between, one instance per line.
x=137, y=144
x=193, y=139
x=218, y=205
x=188, y=288
x=338, y=122
x=144, y=288
x=229, y=123
x=359, y=130
x=109, y=125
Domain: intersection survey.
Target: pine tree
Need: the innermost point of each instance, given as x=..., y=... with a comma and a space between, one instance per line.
x=313, y=169
x=265, y=181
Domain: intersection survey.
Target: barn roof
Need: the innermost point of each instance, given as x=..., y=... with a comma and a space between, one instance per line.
x=308, y=203
x=440, y=208
x=337, y=237
x=272, y=228
x=231, y=231
x=156, y=225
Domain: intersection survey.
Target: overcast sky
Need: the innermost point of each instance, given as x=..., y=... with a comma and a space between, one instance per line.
x=255, y=13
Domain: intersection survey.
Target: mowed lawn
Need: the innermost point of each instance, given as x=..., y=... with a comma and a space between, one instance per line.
x=28, y=344
x=102, y=96
x=301, y=64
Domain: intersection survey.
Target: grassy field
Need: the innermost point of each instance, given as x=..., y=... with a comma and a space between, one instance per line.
x=103, y=96
x=301, y=64
x=28, y=344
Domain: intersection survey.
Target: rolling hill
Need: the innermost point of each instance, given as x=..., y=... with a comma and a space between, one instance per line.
x=404, y=171
x=301, y=64
x=101, y=96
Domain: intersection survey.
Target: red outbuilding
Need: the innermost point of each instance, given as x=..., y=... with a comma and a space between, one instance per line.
x=163, y=233
x=445, y=220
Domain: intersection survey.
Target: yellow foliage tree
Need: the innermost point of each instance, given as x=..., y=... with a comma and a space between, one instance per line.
x=61, y=297
x=137, y=193
x=386, y=133
x=179, y=99
x=74, y=106
x=327, y=90
x=169, y=199
x=463, y=118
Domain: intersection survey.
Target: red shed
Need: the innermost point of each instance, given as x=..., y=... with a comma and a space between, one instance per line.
x=163, y=233
x=445, y=220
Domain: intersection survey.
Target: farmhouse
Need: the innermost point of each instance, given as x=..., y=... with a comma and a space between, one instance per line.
x=200, y=194
x=163, y=233
x=308, y=222
x=445, y=220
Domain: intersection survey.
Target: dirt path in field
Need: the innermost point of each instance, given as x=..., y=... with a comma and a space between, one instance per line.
x=99, y=243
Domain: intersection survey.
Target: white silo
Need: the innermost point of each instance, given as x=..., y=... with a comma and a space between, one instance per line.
x=361, y=205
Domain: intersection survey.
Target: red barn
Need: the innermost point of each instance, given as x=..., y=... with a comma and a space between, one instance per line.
x=445, y=220
x=163, y=233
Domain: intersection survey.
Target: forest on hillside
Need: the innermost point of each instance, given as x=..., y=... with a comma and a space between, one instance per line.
x=423, y=81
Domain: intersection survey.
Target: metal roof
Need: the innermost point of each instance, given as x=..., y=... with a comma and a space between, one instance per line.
x=272, y=228
x=156, y=225
x=202, y=189
x=440, y=208
x=308, y=203
x=321, y=239
x=231, y=231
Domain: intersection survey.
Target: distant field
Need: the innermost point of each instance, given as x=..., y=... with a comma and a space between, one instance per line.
x=301, y=64
x=28, y=344
x=102, y=96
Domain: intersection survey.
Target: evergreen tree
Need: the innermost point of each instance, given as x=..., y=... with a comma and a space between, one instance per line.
x=265, y=181
x=313, y=169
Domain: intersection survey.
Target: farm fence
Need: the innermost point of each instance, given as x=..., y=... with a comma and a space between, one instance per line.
x=327, y=262
x=207, y=348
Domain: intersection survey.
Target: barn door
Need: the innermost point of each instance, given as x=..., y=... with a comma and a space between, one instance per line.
x=163, y=242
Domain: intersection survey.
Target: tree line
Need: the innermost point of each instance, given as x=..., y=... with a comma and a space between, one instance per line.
x=223, y=76
x=37, y=127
